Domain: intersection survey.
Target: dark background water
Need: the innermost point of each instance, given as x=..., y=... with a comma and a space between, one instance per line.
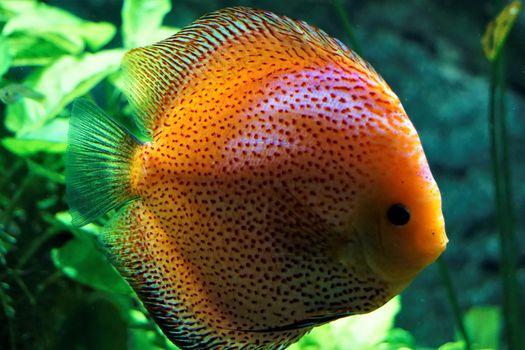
x=430, y=54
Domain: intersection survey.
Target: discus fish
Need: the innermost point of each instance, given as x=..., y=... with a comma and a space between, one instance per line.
x=281, y=185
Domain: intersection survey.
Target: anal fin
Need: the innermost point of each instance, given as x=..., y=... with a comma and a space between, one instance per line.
x=140, y=249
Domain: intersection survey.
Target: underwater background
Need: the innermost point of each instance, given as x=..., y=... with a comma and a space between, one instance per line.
x=58, y=291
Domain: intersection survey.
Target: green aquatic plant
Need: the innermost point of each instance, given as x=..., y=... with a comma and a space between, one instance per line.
x=494, y=47
x=53, y=278
x=453, y=301
x=345, y=22
x=56, y=286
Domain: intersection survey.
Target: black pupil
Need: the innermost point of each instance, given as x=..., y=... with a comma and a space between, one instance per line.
x=398, y=214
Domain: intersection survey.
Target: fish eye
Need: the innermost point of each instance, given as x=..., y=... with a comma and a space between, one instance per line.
x=398, y=214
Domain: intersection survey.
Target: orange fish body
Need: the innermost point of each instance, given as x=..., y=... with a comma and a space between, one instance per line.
x=283, y=185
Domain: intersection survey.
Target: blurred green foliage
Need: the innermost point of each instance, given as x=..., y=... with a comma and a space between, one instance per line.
x=57, y=289
x=493, y=42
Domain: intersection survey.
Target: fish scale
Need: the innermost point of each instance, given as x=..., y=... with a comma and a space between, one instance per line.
x=261, y=205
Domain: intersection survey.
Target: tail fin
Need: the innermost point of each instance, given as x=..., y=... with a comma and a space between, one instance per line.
x=98, y=162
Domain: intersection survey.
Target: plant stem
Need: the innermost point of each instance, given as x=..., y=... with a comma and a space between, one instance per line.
x=343, y=16
x=42, y=286
x=10, y=172
x=14, y=199
x=21, y=284
x=504, y=204
x=452, y=297
x=33, y=247
x=4, y=299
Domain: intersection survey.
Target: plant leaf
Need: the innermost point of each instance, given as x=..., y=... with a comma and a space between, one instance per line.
x=33, y=50
x=94, y=322
x=498, y=29
x=65, y=31
x=355, y=332
x=40, y=170
x=81, y=260
x=65, y=219
x=61, y=82
x=161, y=34
x=96, y=35
x=10, y=9
x=148, y=339
x=459, y=345
x=25, y=148
x=141, y=19
x=483, y=324
x=51, y=138
x=397, y=338
x=5, y=57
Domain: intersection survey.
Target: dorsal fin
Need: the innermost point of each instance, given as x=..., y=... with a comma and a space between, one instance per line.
x=155, y=73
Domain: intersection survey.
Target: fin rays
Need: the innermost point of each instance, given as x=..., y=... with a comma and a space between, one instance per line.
x=159, y=71
x=97, y=163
